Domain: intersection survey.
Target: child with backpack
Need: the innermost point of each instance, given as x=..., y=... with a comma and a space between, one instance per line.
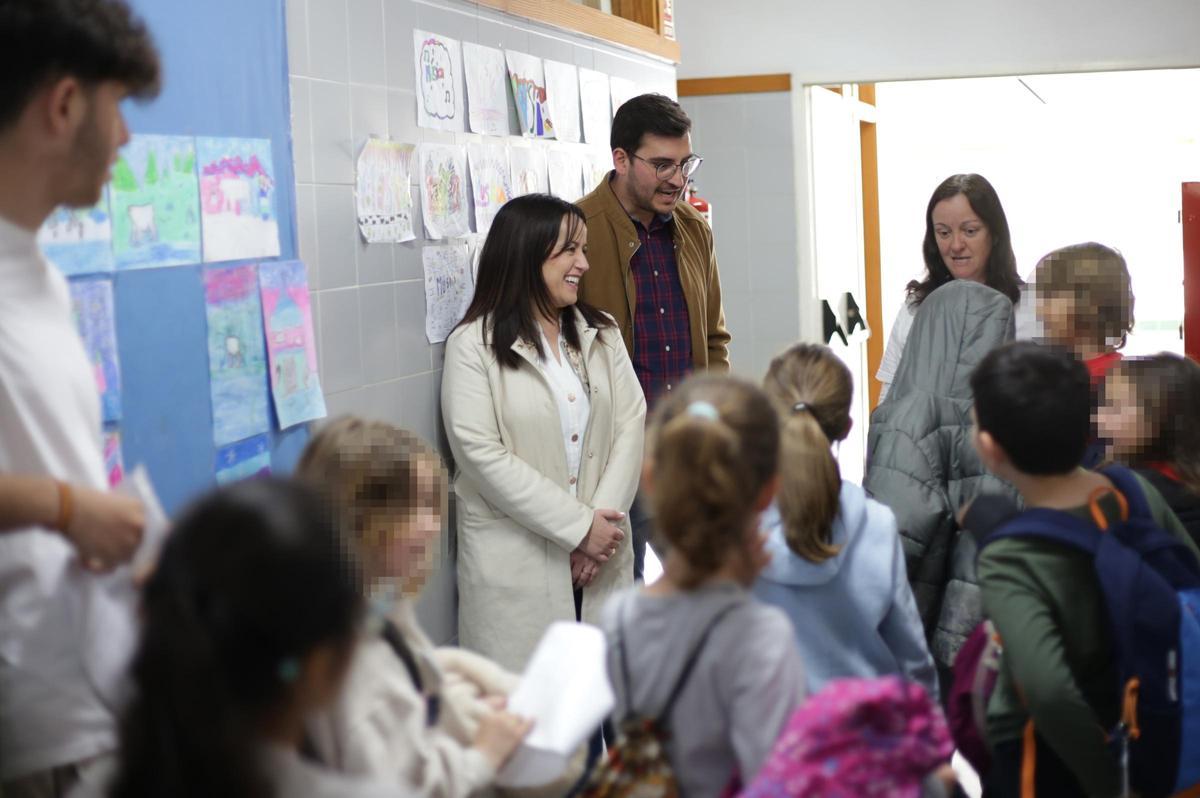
x=705, y=676
x=1051, y=580
x=837, y=566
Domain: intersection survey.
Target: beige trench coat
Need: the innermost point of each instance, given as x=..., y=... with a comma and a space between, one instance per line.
x=517, y=521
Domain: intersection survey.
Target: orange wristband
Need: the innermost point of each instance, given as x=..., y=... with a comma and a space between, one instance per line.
x=66, y=506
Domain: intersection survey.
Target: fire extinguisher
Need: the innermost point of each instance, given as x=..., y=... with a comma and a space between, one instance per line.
x=699, y=203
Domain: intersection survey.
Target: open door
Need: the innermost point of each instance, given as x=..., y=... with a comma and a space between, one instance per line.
x=1191, y=269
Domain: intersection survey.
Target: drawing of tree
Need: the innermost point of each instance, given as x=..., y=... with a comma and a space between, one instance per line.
x=151, y=169
x=123, y=179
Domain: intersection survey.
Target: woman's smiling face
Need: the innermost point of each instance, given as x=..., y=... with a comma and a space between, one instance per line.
x=566, y=265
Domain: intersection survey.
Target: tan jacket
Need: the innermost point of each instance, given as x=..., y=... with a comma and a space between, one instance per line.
x=517, y=520
x=612, y=241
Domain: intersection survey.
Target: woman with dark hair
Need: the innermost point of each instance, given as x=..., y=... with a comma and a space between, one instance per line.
x=966, y=238
x=249, y=622
x=545, y=418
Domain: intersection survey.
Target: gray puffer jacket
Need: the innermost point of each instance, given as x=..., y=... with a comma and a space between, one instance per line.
x=921, y=462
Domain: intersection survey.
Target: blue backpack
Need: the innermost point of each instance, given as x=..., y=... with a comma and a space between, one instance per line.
x=1151, y=586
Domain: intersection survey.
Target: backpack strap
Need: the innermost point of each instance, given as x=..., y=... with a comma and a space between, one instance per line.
x=1053, y=525
x=395, y=639
x=690, y=664
x=1127, y=483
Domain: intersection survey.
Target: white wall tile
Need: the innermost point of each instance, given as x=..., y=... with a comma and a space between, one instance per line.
x=375, y=262
x=341, y=340
x=413, y=349
x=402, y=117
x=333, y=146
x=344, y=403
x=408, y=254
x=302, y=141
x=336, y=233
x=328, y=41
x=380, y=343
x=421, y=408
x=368, y=56
x=399, y=20
x=306, y=224
x=297, y=36
x=383, y=402
x=368, y=114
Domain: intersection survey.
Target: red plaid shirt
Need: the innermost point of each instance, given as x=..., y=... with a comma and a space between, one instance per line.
x=662, y=338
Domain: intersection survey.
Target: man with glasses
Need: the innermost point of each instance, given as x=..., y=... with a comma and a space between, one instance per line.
x=652, y=261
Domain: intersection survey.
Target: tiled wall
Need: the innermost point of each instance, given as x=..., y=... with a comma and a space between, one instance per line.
x=748, y=143
x=351, y=66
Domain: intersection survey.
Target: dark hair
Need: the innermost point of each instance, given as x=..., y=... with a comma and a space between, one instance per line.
x=1001, y=263
x=510, y=283
x=1167, y=387
x=92, y=40
x=1098, y=279
x=1035, y=401
x=251, y=581
x=708, y=471
x=647, y=113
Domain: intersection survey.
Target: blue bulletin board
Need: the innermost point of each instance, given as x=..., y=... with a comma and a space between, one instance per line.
x=225, y=75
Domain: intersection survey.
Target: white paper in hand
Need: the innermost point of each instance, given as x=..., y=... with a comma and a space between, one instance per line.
x=565, y=690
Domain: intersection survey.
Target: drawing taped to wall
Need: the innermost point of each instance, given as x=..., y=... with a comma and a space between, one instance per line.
x=596, y=166
x=565, y=169
x=449, y=288
x=92, y=308
x=595, y=99
x=382, y=195
x=562, y=91
x=237, y=363
x=243, y=460
x=487, y=90
x=529, y=93
x=291, y=345
x=155, y=198
x=443, y=181
x=79, y=240
x=621, y=90
x=529, y=171
x=238, y=214
x=491, y=185
x=439, y=84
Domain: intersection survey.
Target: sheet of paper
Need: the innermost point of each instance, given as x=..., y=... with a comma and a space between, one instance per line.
x=443, y=181
x=566, y=174
x=487, y=90
x=291, y=345
x=155, y=199
x=449, y=288
x=528, y=80
x=529, y=171
x=439, y=82
x=79, y=240
x=562, y=92
x=596, y=166
x=242, y=460
x=565, y=690
x=237, y=361
x=595, y=100
x=622, y=90
x=491, y=183
x=92, y=307
x=238, y=211
x=382, y=193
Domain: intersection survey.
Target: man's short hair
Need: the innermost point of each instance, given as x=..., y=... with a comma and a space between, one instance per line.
x=647, y=113
x=92, y=40
x=1035, y=401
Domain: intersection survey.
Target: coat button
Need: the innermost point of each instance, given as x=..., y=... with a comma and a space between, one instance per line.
x=570, y=397
x=574, y=438
x=572, y=480
x=632, y=245
x=591, y=455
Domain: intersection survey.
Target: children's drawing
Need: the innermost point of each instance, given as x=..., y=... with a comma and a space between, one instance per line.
x=565, y=169
x=528, y=168
x=92, y=307
x=237, y=364
x=487, y=90
x=596, y=166
x=444, y=190
x=562, y=90
x=449, y=288
x=244, y=459
x=114, y=465
x=594, y=102
x=529, y=92
x=156, y=203
x=621, y=90
x=384, y=201
x=439, y=81
x=79, y=240
x=491, y=185
x=238, y=212
x=291, y=345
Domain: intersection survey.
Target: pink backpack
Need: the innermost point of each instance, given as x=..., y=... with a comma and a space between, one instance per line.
x=855, y=738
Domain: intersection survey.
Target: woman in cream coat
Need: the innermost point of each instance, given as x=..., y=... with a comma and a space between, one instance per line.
x=545, y=419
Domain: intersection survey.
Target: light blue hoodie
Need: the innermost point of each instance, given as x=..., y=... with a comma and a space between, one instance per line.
x=854, y=614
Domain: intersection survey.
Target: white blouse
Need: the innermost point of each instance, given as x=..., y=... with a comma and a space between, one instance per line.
x=574, y=407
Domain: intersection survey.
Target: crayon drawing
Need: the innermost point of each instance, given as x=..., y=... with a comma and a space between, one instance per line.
x=79, y=240
x=291, y=345
x=622, y=90
x=596, y=166
x=114, y=465
x=565, y=169
x=528, y=168
x=92, y=308
x=243, y=460
x=382, y=195
x=439, y=84
x=487, y=89
x=491, y=185
x=156, y=203
x=529, y=92
x=594, y=102
x=237, y=364
x=562, y=90
x=238, y=213
x=444, y=190
x=449, y=287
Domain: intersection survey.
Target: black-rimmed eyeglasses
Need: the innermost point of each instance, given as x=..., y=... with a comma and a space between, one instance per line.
x=665, y=170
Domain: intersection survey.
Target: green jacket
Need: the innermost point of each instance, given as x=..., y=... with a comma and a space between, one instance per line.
x=1049, y=611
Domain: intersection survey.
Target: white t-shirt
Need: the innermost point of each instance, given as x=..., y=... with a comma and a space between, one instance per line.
x=50, y=713
x=574, y=407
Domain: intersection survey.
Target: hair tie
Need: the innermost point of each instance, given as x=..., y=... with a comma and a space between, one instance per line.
x=800, y=407
x=702, y=409
x=289, y=670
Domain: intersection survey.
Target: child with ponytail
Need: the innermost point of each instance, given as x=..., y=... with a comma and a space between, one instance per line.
x=697, y=632
x=837, y=566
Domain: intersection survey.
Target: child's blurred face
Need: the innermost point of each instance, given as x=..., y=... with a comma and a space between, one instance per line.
x=1056, y=315
x=1121, y=420
x=409, y=538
